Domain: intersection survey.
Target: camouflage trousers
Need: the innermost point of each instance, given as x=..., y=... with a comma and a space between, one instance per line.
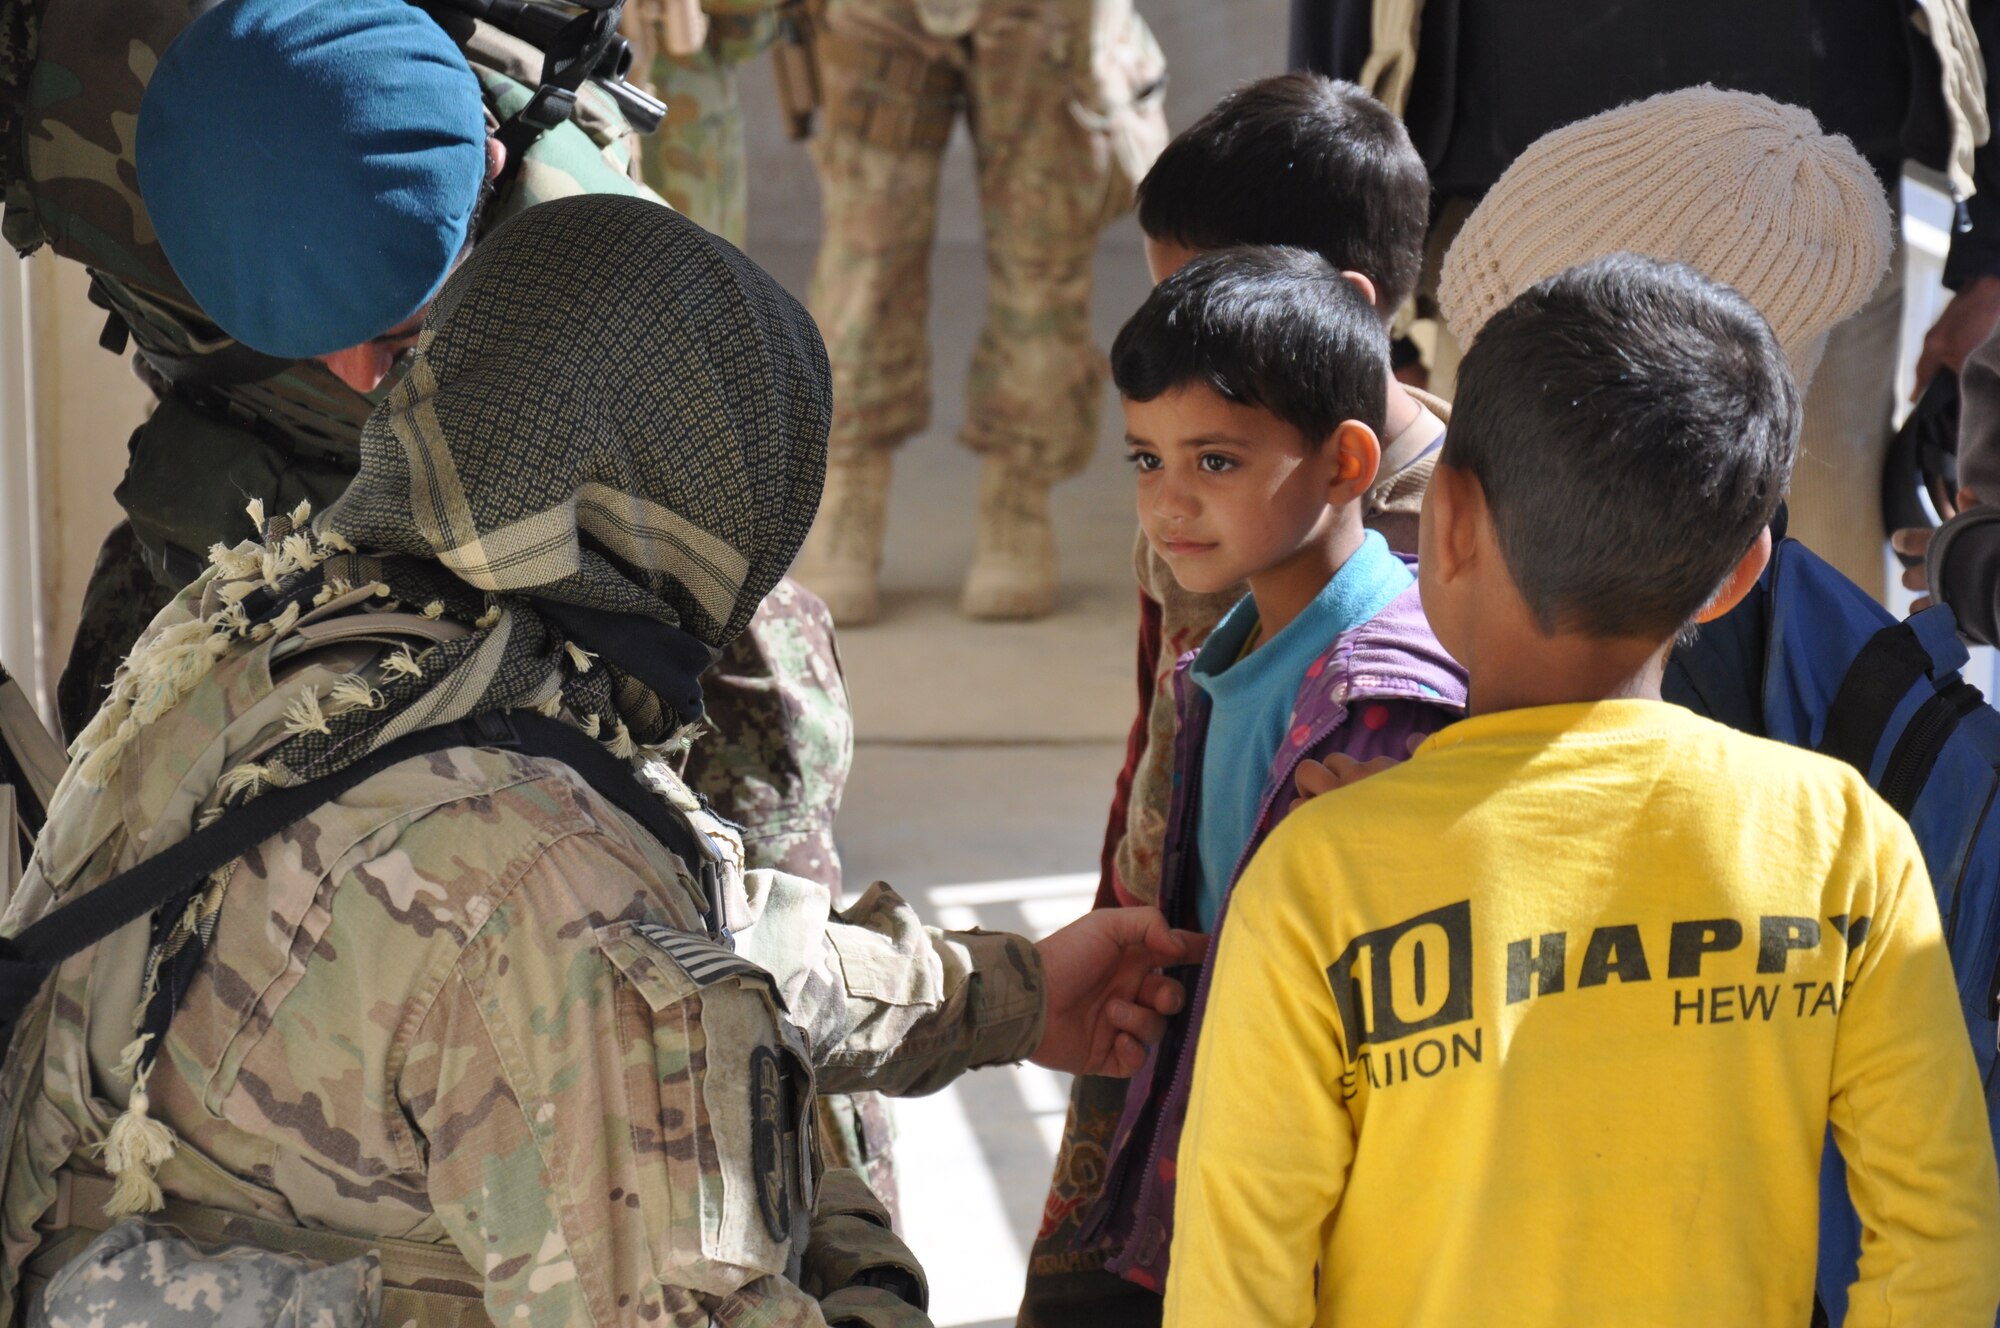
x=695, y=159
x=891, y=94
x=775, y=762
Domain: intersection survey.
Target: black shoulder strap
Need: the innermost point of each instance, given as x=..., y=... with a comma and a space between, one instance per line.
x=572, y=51
x=1881, y=675
x=176, y=872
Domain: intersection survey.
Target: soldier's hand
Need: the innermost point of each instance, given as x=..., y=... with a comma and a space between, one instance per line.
x=1916, y=542
x=1107, y=1001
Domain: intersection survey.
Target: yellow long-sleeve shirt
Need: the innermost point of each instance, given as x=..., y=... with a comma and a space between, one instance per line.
x=1546, y=1027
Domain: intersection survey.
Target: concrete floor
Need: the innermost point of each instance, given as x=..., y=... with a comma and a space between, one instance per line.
x=983, y=766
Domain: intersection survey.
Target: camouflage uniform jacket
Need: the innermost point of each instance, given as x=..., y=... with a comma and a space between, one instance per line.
x=451, y=1006
x=275, y=429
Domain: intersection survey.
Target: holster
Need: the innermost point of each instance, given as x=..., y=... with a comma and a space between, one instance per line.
x=794, y=70
x=885, y=96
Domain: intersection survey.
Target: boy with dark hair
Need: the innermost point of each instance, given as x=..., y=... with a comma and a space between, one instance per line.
x=1313, y=164
x=1253, y=384
x=1551, y=1020
x=1310, y=163
x=1295, y=160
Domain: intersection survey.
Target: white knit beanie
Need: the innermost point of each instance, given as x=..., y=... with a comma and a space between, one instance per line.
x=1747, y=190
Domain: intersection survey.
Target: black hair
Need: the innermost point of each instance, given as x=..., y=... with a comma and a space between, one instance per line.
x=1298, y=160
x=482, y=206
x=1633, y=425
x=1278, y=329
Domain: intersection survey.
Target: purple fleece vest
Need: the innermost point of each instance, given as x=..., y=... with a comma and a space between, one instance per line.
x=1366, y=695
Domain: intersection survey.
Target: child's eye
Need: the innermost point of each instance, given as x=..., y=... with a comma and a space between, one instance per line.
x=1142, y=460
x=1214, y=463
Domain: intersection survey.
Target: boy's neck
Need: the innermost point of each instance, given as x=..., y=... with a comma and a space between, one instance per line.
x=1519, y=669
x=1400, y=411
x=1282, y=592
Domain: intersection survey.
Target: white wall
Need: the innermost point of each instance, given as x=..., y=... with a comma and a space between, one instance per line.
x=67, y=407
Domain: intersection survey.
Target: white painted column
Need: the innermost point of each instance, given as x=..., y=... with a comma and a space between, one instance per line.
x=20, y=524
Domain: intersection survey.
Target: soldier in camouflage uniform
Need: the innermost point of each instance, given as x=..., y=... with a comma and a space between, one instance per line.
x=1063, y=100
x=780, y=742
x=688, y=51
x=561, y=1097
x=281, y=430
x=288, y=430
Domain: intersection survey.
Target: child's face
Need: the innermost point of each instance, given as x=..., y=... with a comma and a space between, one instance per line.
x=1227, y=491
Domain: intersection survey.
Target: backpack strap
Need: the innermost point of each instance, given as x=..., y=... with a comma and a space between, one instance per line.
x=173, y=874
x=1923, y=741
x=1881, y=675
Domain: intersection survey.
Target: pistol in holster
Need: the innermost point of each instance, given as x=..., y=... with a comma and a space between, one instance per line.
x=796, y=71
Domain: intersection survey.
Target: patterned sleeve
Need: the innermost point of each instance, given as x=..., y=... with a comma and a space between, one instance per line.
x=885, y=1002
x=614, y=1122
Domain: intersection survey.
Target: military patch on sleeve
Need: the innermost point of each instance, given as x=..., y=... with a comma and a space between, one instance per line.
x=770, y=1112
x=704, y=961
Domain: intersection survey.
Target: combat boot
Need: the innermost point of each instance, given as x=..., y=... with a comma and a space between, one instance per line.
x=1014, y=564
x=842, y=558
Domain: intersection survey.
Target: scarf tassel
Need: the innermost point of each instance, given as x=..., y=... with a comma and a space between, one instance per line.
x=134, y=1149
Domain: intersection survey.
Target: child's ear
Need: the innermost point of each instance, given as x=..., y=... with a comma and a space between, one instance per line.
x=1448, y=530
x=1740, y=579
x=1361, y=282
x=1356, y=460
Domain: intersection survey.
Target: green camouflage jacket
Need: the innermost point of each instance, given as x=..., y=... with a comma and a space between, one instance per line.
x=276, y=429
x=461, y=1005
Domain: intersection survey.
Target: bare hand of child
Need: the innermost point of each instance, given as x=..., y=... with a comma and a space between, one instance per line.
x=1340, y=770
x=1337, y=771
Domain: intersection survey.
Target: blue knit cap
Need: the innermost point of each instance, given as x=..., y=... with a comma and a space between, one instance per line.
x=311, y=167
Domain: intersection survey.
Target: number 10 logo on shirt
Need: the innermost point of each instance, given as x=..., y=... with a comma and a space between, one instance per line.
x=1404, y=979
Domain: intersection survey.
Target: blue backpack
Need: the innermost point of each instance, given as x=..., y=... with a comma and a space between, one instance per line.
x=1810, y=659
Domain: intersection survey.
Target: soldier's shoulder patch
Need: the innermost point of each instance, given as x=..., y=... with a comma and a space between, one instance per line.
x=669, y=965
x=770, y=1112
x=705, y=962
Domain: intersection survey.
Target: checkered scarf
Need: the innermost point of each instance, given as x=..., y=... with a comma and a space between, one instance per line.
x=612, y=439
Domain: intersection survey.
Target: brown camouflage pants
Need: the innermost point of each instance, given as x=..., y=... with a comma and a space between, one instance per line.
x=1046, y=187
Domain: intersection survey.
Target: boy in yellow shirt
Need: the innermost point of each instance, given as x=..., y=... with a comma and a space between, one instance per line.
x=1546, y=1026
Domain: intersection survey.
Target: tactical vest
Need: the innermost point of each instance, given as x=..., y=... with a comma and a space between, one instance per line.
x=93, y=841
x=72, y=73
